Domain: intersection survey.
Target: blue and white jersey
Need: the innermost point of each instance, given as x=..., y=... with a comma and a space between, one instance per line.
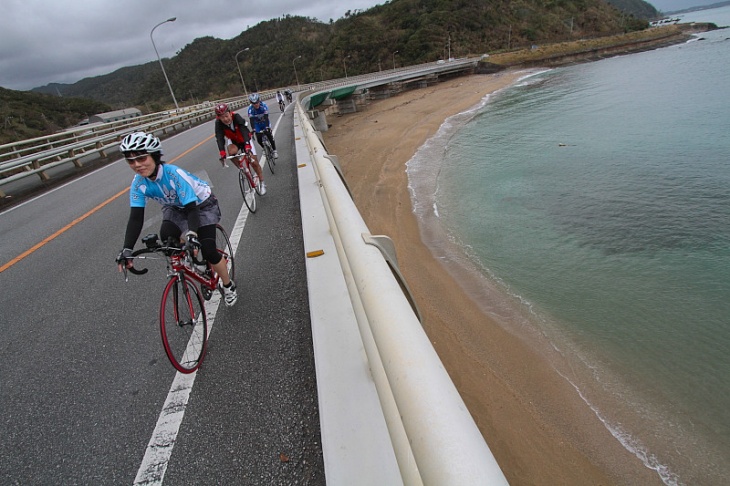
x=259, y=118
x=172, y=187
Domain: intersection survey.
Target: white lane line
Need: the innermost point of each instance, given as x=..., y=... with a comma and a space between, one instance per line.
x=159, y=449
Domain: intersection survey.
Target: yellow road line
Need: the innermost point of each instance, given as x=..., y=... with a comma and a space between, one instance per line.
x=81, y=218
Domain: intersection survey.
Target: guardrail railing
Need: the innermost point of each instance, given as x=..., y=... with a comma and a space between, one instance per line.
x=433, y=436
x=19, y=160
x=37, y=156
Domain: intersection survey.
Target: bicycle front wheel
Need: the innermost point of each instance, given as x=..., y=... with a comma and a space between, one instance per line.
x=223, y=244
x=183, y=324
x=269, y=152
x=247, y=191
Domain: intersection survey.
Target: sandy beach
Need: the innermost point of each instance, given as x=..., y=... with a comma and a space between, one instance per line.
x=534, y=421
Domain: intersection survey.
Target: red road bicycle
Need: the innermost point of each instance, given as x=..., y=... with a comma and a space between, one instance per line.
x=183, y=319
x=248, y=179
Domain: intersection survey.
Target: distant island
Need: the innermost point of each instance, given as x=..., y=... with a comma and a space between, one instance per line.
x=695, y=9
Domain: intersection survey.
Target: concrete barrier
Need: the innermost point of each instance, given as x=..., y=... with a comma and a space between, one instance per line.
x=388, y=361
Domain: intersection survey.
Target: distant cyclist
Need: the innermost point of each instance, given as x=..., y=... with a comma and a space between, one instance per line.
x=189, y=207
x=280, y=99
x=258, y=115
x=287, y=92
x=232, y=134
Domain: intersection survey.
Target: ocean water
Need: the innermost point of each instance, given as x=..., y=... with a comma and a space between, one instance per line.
x=588, y=209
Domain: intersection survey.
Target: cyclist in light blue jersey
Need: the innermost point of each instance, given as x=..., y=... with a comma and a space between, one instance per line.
x=188, y=205
x=258, y=114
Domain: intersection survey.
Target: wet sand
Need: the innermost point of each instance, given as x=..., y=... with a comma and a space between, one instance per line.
x=534, y=421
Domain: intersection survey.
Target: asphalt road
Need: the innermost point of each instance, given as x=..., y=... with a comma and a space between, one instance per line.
x=83, y=375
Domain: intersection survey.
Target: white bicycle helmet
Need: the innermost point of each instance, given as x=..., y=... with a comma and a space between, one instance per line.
x=253, y=98
x=140, y=142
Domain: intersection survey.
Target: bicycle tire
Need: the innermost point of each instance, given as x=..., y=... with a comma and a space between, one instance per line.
x=247, y=191
x=183, y=324
x=223, y=245
x=256, y=183
x=269, y=152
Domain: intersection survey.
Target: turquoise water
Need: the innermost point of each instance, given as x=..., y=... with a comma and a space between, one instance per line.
x=594, y=200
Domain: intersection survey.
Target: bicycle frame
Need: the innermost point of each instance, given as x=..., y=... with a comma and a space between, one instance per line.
x=266, y=133
x=183, y=318
x=180, y=264
x=244, y=165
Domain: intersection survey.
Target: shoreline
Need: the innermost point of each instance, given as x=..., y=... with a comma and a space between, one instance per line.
x=535, y=422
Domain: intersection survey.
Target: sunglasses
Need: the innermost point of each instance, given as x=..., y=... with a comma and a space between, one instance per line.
x=138, y=158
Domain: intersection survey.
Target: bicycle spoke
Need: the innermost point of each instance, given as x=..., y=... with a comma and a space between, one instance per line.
x=223, y=244
x=183, y=324
x=247, y=191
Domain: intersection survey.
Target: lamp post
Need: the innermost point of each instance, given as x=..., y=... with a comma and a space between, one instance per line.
x=345, y=64
x=239, y=70
x=171, y=19
x=396, y=52
x=295, y=70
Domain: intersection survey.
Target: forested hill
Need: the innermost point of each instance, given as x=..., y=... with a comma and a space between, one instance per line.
x=403, y=32
x=362, y=41
x=28, y=115
x=637, y=8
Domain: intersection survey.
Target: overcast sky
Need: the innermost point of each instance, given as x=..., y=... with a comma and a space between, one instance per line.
x=63, y=41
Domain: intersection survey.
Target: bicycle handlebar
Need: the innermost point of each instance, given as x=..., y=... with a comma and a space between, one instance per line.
x=237, y=156
x=167, y=250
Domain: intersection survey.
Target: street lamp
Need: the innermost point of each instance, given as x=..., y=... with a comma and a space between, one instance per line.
x=239, y=70
x=172, y=19
x=396, y=52
x=295, y=70
x=345, y=64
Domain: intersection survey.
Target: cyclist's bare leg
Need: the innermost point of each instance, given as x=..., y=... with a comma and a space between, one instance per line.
x=255, y=160
x=233, y=150
x=222, y=271
x=257, y=168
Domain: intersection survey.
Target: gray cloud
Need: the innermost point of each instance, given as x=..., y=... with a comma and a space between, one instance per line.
x=51, y=41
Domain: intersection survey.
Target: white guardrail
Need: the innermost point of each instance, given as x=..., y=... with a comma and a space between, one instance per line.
x=370, y=347
x=37, y=156
x=389, y=412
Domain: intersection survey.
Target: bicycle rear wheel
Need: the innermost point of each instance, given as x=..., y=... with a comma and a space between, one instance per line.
x=247, y=191
x=223, y=244
x=183, y=324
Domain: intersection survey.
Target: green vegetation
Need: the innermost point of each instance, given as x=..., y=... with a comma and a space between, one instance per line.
x=27, y=115
x=637, y=8
x=400, y=32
